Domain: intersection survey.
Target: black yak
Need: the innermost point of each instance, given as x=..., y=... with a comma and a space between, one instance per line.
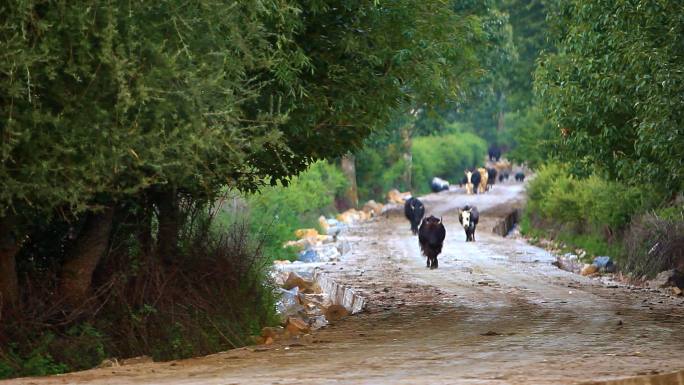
x=431, y=238
x=475, y=179
x=463, y=181
x=520, y=176
x=494, y=153
x=414, y=211
x=491, y=172
x=468, y=217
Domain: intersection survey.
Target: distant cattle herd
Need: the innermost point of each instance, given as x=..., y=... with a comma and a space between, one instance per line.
x=476, y=180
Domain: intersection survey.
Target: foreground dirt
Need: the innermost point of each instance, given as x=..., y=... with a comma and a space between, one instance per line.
x=495, y=312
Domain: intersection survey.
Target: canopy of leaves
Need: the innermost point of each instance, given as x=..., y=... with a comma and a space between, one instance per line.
x=615, y=89
x=102, y=100
x=480, y=103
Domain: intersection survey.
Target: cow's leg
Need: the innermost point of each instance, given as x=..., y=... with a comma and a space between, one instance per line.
x=428, y=262
x=435, y=263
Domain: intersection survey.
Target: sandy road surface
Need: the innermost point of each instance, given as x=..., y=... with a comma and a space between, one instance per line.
x=495, y=312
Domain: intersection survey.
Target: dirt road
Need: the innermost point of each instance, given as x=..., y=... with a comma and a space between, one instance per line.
x=495, y=312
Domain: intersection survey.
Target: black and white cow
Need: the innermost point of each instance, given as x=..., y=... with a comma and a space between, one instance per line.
x=431, y=239
x=468, y=217
x=414, y=211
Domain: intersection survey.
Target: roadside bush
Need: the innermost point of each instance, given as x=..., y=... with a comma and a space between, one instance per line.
x=445, y=157
x=654, y=243
x=215, y=295
x=280, y=210
x=379, y=169
x=590, y=213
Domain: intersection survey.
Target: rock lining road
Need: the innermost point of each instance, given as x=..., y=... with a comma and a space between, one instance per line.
x=495, y=312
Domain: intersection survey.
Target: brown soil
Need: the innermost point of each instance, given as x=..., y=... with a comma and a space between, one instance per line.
x=495, y=312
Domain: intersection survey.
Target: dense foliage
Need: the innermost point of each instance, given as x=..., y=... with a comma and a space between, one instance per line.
x=585, y=212
x=381, y=165
x=122, y=121
x=280, y=210
x=614, y=89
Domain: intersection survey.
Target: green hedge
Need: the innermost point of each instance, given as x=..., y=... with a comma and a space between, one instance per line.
x=445, y=157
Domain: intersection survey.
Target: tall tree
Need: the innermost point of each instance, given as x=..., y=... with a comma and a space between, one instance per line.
x=111, y=102
x=614, y=89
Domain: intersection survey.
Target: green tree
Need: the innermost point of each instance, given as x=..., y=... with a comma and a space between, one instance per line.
x=152, y=105
x=613, y=90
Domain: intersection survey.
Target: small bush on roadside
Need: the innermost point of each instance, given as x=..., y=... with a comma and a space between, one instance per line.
x=654, y=243
x=589, y=213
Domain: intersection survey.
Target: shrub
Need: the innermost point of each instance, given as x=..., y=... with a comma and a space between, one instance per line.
x=445, y=157
x=214, y=297
x=591, y=213
x=655, y=243
x=379, y=168
x=279, y=210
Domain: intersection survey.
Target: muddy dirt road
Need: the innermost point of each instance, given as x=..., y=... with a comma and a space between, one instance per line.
x=495, y=312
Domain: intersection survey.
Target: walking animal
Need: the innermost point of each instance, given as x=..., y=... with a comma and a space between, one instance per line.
x=491, y=177
x=474, y=179
x=520, y=176
x=468, y=217
x=494, y=152
x=414, y=211
x=469, y=182
x=484, y=178
x=431, y=239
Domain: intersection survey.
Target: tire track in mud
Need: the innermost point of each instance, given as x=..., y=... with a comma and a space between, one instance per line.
x=495, y=312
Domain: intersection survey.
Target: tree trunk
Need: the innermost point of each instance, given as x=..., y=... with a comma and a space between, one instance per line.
x=143, y=224
x=406, y=144
x=9, y=284
x=77, y=272
x=500, y=121
x=169, y=226
x=348, y=164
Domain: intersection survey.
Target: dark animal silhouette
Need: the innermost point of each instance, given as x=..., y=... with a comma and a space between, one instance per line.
x=491, y=172
x=414, y=211
x=475, y=180
x=431, y=238
x=520, y=176
x=468, y=217
x=503, y=176
x=439, y=184
x=494, y=152
x=463, y=181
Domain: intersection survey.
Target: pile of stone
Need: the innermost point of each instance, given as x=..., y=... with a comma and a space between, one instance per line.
x=312, y=246
x=396, y=197
x=303, y=308
x=671, y=280
x=601, y=264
